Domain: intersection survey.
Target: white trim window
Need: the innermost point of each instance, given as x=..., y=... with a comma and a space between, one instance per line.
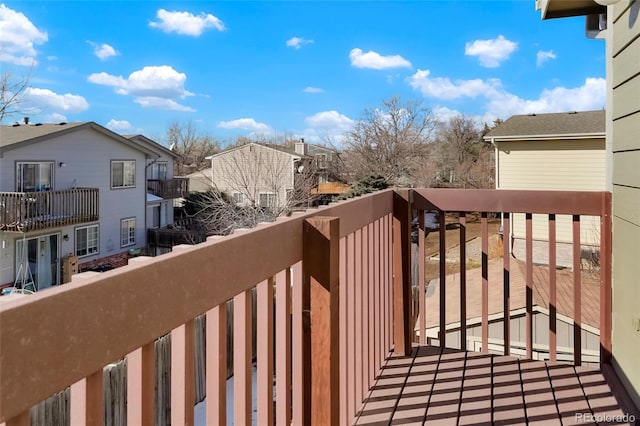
x=128, y=232
x=123, y=173
x=87, y=240
x=268, y=200
x=159, y=170
x=32, y=176
x=238, y=197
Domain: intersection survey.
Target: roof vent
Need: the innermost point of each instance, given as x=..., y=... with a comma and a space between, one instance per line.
x=16, y=124
x=26, y=120
x=573, y=112
x=38, y=124
x=533, y=114
x=62, y=123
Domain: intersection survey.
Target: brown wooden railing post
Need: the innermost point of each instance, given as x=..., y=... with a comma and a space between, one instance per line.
x=87, y=403
x=141, y=378
x=401, y=272
x=321, y=320
x=605, y=279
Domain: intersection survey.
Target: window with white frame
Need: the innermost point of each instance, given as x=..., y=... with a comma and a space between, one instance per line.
x=159, y=170
x=34, y=176
x=238, y=197
x=128, y=232
x=87, y=240
x=123, y=173
x=268, y=200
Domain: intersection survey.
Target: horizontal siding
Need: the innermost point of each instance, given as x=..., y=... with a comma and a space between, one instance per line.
x=626, y=169
x=552, y=165
x=627, y=204
x=626, y=294
x=626, y=98
x=626, y=131
x=627, y=64
x=620, y=8
x=626, y=28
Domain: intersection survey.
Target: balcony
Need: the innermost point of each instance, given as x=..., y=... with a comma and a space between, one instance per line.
x=35, y=211
x=342, y=338
x=168, y=188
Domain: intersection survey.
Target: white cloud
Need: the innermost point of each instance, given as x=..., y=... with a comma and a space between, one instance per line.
x=544, y=56
x=161, y=103
x=103, y=51
x=18, y=35
x=118, y=125
x=444, y=114
x=491, y=53
x=298, y=42
x=186, y=23
x=152, y=86
x=45, y=99
x=245, y=124
x=590, y=96
x=444, y=88
x=310, y=89
x=55, y=118
x=330, y=120
x=376, y=61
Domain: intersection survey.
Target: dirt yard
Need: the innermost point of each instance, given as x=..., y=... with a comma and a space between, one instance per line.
x=452, y=240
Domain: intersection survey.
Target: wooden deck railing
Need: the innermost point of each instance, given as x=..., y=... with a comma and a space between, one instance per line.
x=169, y=188
x=508, y=204
x=32, y=211
x=333, y=288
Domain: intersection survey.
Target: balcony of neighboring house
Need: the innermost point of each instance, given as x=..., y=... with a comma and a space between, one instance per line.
x=336, y=317
x=177, y=187
x=184, y=231
x=40, y=210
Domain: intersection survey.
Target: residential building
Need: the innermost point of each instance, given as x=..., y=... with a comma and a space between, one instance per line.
x=618, y=23
x=77, y=196
x=554, y=152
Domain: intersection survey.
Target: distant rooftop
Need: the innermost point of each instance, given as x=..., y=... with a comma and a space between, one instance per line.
x=556, y=124
x=12, y=134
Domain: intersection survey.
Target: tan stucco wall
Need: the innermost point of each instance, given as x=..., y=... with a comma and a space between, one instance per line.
x=624, y=72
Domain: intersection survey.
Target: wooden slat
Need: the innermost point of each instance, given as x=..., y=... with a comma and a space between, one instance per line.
x=600, y=397
x=345, y=415
x=182, y=374
x=463, y=281
x=442, y=333
x=141, y=379
x=422, y=301
x=242, y=359
x=529, y=285
x=358, y=326
x=605, y=279
x=568, y=393
x=484, y=231
x=553, y=303
x=539, y=400
x=216, y=365
x=373, y=370
x=299, y=399
x=367, y=377
x=350, y=325
x=283, y=347
x=508, y=402
x=402, y=274
x=577, y=293
x=378, y=359
x=476, y=389
x=506, y=294
x=87, y=401
x=264, y=351
x=447, y=389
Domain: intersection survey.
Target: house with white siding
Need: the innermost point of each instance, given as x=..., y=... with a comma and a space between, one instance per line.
x=75, y=196
x=552, y=152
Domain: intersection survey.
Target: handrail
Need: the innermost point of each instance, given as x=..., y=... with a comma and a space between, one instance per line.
x=100, y=318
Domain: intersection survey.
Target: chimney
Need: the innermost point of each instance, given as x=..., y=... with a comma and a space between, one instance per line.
x=26, y=120
x=301, y=147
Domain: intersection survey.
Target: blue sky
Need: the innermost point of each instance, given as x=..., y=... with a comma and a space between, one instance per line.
x=307, y=69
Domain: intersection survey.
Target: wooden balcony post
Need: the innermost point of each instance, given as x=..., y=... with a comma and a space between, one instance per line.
x=401, y=273
x=321, y=320
x=605, y=279
x=141, y=378
x=87, y=405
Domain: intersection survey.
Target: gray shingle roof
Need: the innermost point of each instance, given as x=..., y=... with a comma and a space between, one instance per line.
x=14, y=134
x=565, y=123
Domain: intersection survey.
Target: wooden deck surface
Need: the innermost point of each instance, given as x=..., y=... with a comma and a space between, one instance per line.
x=469, y=388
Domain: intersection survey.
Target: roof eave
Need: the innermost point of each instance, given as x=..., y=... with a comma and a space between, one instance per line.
x=572, y=136
x=551, y=9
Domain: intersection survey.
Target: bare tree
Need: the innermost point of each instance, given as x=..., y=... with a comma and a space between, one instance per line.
x=389, y=141
x=459, y=156
x=12, y=89
x=191, y=146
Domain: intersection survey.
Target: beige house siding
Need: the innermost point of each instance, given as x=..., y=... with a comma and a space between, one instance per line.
x=252, y=170
x=577, y=165
x=624, y=72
